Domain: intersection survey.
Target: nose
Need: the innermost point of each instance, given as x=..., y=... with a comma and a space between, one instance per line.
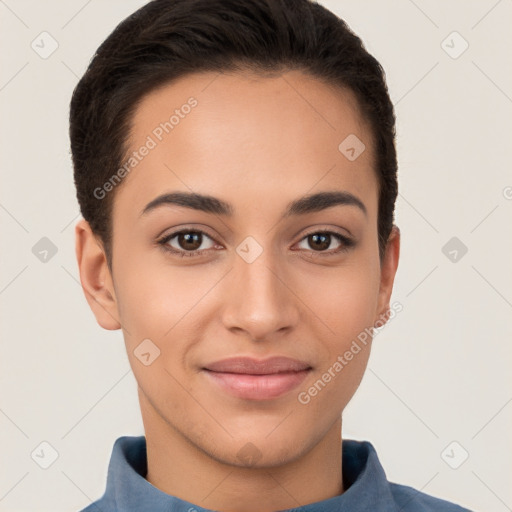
x=260, y=301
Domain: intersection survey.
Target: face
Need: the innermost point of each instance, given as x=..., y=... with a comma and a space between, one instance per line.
x=256, y=270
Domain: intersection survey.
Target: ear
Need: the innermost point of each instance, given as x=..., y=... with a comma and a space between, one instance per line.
x=95, y=277
x=388, y=269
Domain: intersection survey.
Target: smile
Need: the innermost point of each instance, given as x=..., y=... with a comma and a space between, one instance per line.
x=257, y=387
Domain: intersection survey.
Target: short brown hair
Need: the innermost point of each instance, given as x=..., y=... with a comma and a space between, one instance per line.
x=167, y=39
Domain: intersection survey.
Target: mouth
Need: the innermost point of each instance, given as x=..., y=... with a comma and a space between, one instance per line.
x=252, y=379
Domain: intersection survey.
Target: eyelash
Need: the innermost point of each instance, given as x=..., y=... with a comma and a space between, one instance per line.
x=346, y=243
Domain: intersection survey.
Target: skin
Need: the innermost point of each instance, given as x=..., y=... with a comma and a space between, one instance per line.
x=257, y=143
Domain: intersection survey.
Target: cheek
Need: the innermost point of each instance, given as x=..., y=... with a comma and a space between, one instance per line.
x=345, y=300
x=346, y=307
x=156, y=305
x=159, y=302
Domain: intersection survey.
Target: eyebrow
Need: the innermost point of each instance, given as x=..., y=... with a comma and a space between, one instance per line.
x=209, y=204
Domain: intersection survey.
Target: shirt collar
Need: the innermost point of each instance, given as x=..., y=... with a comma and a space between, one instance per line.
x=127, y=489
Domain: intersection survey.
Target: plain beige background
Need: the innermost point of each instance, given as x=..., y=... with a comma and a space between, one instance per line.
x=437, y=389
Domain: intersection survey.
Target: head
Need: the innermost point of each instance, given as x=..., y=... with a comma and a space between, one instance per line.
x=236, y=170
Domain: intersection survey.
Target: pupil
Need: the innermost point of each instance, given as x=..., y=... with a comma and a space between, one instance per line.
x=193, y=241
x=321, y=237
x=190, y=238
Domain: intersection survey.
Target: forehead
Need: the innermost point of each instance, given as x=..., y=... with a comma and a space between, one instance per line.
x=275, y=137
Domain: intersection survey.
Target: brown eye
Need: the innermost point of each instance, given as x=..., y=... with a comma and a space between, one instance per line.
x=321, y=241
x=187, y=242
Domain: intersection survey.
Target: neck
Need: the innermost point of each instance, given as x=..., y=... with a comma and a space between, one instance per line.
x=179, y=468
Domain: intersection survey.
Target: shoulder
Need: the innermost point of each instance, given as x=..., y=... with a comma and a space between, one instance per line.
x=364, y=474
x=409, y=499
x=93, y=507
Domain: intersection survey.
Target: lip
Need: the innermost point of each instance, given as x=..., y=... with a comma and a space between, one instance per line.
x=253, y=379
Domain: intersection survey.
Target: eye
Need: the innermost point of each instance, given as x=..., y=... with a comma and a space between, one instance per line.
x=186, y=243
x=319, y=241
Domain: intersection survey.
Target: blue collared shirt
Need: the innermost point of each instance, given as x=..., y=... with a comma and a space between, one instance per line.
x=366, y=486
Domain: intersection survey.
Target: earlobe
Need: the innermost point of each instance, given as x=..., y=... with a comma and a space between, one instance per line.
x=387, y=276
x=95, y=277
